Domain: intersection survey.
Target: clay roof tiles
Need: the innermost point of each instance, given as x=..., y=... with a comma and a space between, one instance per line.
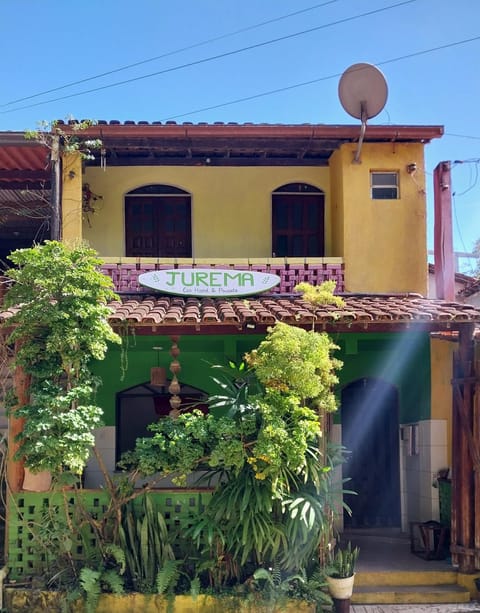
x=358, y=312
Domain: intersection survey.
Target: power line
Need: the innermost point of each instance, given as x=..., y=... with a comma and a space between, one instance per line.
x=319, y=79
x=170, y=53
x=462, y=136
x=212, y=58
x=459, y=231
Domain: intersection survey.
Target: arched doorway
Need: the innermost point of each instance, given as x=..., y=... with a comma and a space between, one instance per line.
x=370, y=422
x=139, y=406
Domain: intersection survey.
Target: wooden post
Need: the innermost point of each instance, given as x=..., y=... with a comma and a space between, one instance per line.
x=55, y=223
x=476, y=477
x=465, y=453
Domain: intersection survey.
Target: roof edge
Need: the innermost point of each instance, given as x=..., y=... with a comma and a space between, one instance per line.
x=416, y=133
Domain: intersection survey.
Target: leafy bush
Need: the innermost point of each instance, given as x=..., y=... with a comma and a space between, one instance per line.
x=60, y=326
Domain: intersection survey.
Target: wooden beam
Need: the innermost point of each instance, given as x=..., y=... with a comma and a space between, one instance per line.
x=43, y=185
x=24, y=175
x=184, y=160
x=476, y=476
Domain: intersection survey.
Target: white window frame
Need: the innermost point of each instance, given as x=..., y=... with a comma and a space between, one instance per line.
x=394, y=185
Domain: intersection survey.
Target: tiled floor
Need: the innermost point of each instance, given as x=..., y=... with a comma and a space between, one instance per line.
x=384, y=550
x=389, y=550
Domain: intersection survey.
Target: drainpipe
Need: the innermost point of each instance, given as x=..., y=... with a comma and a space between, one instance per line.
x=443, y=239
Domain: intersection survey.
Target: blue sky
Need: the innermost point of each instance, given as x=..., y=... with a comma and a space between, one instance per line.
x=48, y=44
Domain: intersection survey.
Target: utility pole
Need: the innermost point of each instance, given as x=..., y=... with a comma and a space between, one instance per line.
x=443, y=237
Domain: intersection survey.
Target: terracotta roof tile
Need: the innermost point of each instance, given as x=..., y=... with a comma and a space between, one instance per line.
x=359, y=312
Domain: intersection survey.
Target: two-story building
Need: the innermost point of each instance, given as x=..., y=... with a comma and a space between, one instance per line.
x=288, y=200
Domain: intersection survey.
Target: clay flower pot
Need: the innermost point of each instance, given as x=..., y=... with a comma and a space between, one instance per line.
x=341, y=588
x=37, y=482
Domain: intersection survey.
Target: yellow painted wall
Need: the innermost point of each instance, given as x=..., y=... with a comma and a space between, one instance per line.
x=72, y=198
x=231, y=206
x=441, y=367
x=383, y=241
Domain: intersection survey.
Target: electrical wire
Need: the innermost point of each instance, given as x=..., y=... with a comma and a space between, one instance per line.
x=459, y=232
x=472, y=180
x=170, y=53
x=462, y=135
x=213, y=57
x=318, y=80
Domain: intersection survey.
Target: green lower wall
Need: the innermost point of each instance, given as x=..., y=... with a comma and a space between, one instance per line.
x=197, y=354
x=400, y=359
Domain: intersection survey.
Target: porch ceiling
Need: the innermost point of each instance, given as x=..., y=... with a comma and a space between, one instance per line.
x=158, y=314
x=220, y=144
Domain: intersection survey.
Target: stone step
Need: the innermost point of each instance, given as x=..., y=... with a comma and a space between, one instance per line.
x=409, y=578
x=410, y=594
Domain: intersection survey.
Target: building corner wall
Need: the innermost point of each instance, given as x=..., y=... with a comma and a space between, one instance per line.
x=384, y=241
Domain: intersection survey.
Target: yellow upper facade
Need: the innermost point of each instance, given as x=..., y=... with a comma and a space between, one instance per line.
x=244, y=205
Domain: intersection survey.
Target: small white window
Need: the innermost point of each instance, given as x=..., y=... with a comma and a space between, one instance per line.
x=384, y=185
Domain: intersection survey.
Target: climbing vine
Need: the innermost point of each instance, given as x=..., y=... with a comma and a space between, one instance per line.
x=60, y=326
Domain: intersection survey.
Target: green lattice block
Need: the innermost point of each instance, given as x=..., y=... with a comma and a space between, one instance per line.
x=35, y=517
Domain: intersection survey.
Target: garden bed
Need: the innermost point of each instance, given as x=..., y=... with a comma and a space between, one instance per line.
x=38, y=601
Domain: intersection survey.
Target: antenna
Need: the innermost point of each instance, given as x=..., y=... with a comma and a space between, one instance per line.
x=363, y=92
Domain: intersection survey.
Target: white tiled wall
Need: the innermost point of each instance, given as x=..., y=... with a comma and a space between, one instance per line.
x=105, y=443
x=419, y=498
x=418, y=472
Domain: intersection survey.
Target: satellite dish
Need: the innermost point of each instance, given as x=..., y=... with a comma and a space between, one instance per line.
x=363, y=91
x=363, y=94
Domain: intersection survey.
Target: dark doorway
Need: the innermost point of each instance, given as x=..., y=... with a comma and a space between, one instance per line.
x=298, y=221
x=144, y=404
x=158, y=222
x=370, y=433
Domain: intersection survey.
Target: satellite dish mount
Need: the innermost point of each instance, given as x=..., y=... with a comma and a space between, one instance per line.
x=363, y=94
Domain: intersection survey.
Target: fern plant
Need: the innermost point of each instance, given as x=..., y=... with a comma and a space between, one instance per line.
x=274, y=587
x=107, y=578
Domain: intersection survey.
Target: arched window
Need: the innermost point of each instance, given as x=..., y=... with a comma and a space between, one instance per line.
x=142, y=405
x=298, y=221
x=158, y=222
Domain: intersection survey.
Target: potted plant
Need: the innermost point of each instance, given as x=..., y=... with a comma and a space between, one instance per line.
x=341, y=572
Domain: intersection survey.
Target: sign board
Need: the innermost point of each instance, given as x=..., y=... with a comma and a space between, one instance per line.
x=214, y=282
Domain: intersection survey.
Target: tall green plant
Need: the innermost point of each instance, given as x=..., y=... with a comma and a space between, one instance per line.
x=343, y=562
x=60, y=327
x=273, y=494
x=145, y=540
